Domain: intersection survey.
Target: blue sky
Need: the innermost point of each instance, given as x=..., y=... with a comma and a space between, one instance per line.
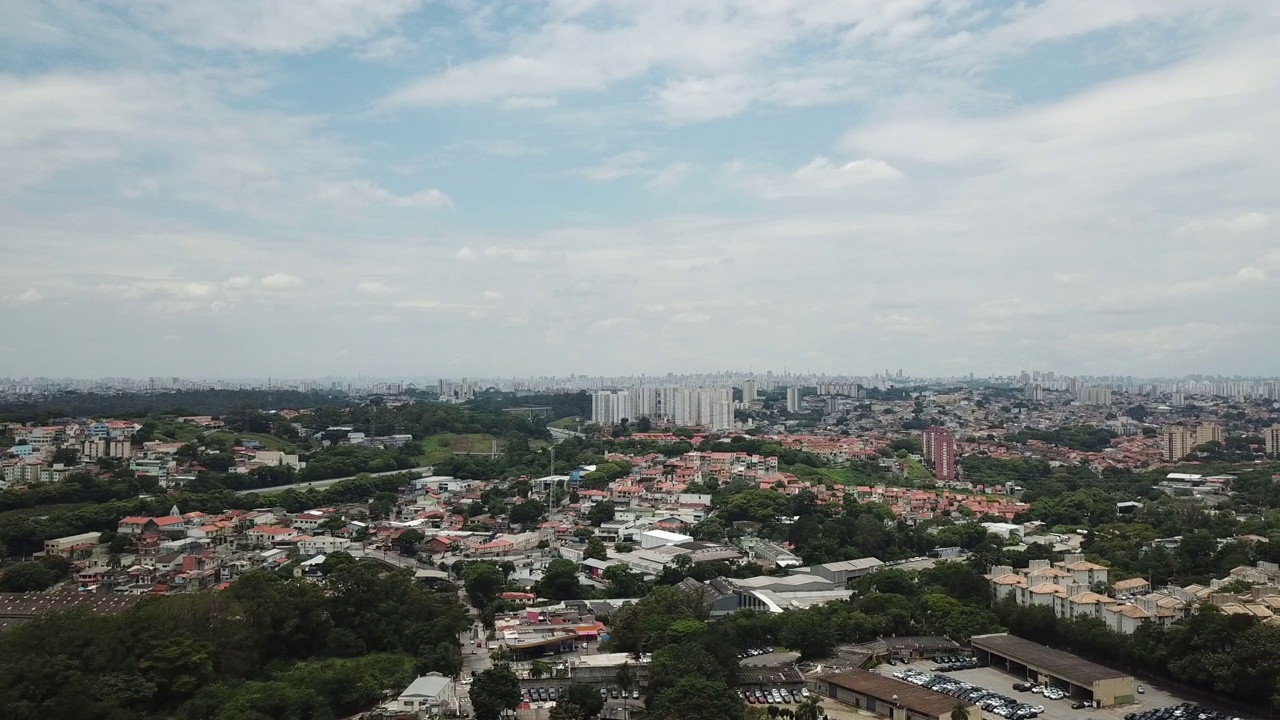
x=405, y=187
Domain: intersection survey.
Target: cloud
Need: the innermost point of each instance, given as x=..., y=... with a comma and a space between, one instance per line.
x=690, y=318
x=669, y=176
x=279, y=26
x=520, y=255
x=30, y=296
x=1239, y=224
x=374, y=288
x=823, y=178
x=362, y=193
x=465, y=254
x=618, y=166
x=280, y=281
x=238, y=282
x=1251, y=274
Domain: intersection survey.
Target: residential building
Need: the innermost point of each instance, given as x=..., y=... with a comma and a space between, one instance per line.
x=1094, y=395
x=1176, y=443
x=750, y=391
x=610, y=407
x=940, y=452
x=1271, y=438
x=793, y=399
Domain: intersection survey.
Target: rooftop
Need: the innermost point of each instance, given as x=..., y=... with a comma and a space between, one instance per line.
x=1064, y=665
x=913, y=697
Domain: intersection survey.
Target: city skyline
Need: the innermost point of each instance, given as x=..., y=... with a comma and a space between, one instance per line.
x=213, y=189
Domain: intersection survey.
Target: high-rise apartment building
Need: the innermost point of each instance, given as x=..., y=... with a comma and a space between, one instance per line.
x=1271, y=438
x=1035, y=392
x=1207, y=432
x=711, y=408
x=644, y=402
x=1094, y=395
x=939, y=452
x=609, y=407
x=750, y=391
x=1176, y=443
x=793, y=399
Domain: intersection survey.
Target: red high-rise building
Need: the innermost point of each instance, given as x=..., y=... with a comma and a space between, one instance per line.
x=940, y=452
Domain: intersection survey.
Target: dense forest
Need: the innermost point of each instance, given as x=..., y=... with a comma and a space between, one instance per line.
x=269, y=648
x=183, y=402
x=1077, y=437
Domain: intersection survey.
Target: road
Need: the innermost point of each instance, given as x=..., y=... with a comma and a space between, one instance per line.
x=330, y=481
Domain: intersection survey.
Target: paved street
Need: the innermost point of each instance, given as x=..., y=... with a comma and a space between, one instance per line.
x=326, y=483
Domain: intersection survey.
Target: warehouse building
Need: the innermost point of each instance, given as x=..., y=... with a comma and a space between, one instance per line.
x=887, y=697
x=1042, y=665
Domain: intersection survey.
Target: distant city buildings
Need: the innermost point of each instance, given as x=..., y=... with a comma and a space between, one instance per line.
x=940, y=452
x=793, y=399
x=1094, y=395
x=750, y=391
x=1177, y=441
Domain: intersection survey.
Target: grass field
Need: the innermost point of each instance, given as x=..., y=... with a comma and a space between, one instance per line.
x=568, y=423
x=442, y=446
x=269, y=442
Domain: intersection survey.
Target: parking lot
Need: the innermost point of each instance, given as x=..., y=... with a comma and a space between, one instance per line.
x=1002, y=682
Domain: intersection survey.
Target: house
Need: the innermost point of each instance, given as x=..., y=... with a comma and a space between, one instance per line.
x=321, y=545
x=430, y=693
x=71, y=544
x=267, y=535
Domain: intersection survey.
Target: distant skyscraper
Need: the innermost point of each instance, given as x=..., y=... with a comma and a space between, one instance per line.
x=1035, y=392
x=793, y=399
x=750, y=391
x=940, y=452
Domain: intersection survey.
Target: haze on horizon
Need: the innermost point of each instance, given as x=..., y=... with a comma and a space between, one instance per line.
x=304, y=188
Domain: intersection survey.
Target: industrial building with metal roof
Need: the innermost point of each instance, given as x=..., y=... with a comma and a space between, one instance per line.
x=1085, y=680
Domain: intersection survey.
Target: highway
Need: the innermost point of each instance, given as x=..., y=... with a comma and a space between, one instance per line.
x=326, y=483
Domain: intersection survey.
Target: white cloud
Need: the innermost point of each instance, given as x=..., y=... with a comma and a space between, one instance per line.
x=618, y=166
x=1238, y=224
x=280, y=281
x=238, y=282
x=669, y=176
x=690, y=318
x=520, y=255
x=30, y=296
x=1251, y=274
x=465, y=254
x=374, y=288
x=285, y=26
x=361, y=193
x=823, y=178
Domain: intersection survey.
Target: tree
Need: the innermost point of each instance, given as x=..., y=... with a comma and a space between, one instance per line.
x=625, y=678
x=529, y=511
x=623, y=547
x=565, y=710
x=334, y=561
x=539, y=669
x=495, y=691
x=623, y=582
x=585, y=697
x=809, y=709
x=960, y=712
x=483, y=582
x=601, y=512
x=644, y=424
x=595, y=550
x=560, y=582
x=65, y=456
x=407, y=542
x=28, y=577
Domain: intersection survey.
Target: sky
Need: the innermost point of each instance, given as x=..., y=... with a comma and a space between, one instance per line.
x=299, y=188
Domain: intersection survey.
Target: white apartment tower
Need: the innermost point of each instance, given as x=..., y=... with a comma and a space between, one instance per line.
x=609, y=407
x=750, y=391
x=793, y=399
x=1271, y=436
